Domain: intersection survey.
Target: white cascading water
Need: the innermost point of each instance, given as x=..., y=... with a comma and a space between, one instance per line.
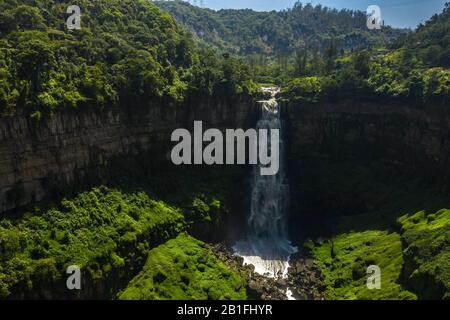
x=267, y=246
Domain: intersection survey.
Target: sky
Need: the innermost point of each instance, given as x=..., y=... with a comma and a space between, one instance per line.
x=397, y=13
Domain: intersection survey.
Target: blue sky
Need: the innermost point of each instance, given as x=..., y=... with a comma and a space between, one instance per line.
x=398, y=13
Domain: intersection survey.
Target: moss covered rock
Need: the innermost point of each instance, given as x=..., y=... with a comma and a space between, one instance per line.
x=184, y=268
x=426, y=238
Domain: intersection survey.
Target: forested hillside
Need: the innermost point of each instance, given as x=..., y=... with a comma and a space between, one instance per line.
x=413, y=70
x=126, y=54
x=430, y=43
x=303, y=27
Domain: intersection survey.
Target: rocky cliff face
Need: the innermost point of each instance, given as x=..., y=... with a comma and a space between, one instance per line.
x=396, y=134
x=38, y=156
x=344, y=159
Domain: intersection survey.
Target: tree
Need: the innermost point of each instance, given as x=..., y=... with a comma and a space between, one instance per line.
x=362, y=63
x=330, y=56
x=300, y=63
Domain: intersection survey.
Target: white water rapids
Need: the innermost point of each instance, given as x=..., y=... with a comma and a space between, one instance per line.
x=267, y=246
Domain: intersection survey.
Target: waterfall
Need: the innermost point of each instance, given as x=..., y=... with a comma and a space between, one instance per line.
x=266, y=245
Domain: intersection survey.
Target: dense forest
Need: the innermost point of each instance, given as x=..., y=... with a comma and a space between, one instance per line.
x=145, y=229
x=128, y=53
x=303, y=27
x=413, y=69
x=321, y=54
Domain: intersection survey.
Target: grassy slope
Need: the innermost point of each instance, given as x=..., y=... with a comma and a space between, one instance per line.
x=344, y=263
x=416, y=258
x=183, y=268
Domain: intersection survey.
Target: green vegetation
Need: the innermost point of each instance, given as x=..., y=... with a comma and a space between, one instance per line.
x=127, y=54
x=369, y=221
x=301, y=41
x=344, y=260
x=131, y=55
x=334, y=48
x=306, y=89
x=415, y=71
x=258, y=34
x=374, y=76
x=415, y=258
x=430, y=42
x=108, y=231
x=426, y=238
x=103, y=231
x=184, y=268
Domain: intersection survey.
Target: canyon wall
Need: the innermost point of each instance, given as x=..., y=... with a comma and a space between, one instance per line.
x=348, y=159
x=38, y=156
x=396, y=134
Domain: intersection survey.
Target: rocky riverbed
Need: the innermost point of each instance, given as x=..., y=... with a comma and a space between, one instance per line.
x=304, y=279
